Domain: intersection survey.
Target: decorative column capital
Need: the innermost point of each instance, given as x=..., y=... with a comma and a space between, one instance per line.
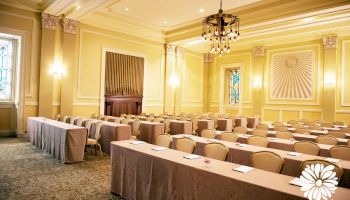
x=180, y=52
x=258, y=51
x=170, y=49
x=70, y=26
x=330, y=42
x=49, y=21
x=208, y=58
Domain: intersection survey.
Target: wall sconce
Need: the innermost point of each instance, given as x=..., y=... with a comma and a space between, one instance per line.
x=256, y=83
x=329, y=80
x=57, y=69
x=174, y=81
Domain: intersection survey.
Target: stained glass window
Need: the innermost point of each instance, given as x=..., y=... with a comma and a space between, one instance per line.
x=234, y=86
x=6, y=69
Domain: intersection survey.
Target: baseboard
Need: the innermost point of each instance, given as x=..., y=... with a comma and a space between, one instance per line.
x=7, y=133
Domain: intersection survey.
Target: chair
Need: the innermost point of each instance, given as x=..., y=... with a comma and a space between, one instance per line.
x=72, y=120
x=306, y=147
x=338, y=171
x=123, y=115
x=208, y=133
x=240, y=129
x=337, y=134
x=268, y=161
x=94, y=116
x=80, y=122
x=128, y=116
x=143, y=114
x=87, y=125
x=149, y=119
x=65, y=119
x=95, y=141
x=194, y=124
x=135, y=128
x=151, y=115
x=228, y=136
x=292, y=122
x=277, y=124
x=185, y=144
x=58, y=117
x=117, y=120
x=281, y=129
x=327, y=124
x=345, y=130
x=259, y=132
x=318, y=122
x=310, y=123
x=303, y=121
x=216, y=151
x=183, y=118
x=164, y=140
x=166, y=123
x=338, y=123
x=284, y=135
x=327, y=139
x=125, y=121
x=100, y=117
x=259, y=141
x=215, y=119
x=340, y=152
x=303, y=131
x=105, y=118
x=262, y=126
x=297, y=126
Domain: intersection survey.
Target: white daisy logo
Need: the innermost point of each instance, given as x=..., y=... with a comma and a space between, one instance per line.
x=318, y=182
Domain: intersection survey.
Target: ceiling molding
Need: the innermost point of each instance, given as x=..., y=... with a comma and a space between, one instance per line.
x=30, y=5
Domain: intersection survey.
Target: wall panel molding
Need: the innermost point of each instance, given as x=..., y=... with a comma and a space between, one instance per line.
x=344, y=56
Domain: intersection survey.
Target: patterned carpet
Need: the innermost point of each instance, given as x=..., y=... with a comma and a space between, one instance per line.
x=27, y=172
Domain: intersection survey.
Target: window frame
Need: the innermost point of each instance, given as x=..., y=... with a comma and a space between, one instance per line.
x=12, y=97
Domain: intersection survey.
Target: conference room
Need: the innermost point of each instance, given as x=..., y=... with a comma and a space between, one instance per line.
x=161, y=99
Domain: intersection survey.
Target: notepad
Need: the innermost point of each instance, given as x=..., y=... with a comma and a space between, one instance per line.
x=293, y=153
x=192, y=156
x=296, y=181
x=187, y=135
x=137, y=142
x=245, y=136
x=270, y=138
x=159, y=148
x=243, y=169
x=333, y=160
x=242, y=145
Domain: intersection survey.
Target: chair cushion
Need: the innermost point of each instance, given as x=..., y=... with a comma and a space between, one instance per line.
x=91, y=141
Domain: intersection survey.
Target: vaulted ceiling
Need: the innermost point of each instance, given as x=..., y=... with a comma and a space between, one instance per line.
x=179, y=21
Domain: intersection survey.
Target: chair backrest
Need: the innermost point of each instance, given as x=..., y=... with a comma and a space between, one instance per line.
x=310, y=123
x=72, y=120
x=262, y=126
x=327, y=124
x=281, y=128
x=123, y=115
x=164, y=140
x=125, y=121
x=149, y=119
x=338, y=171
x=317, y=121
x=339, y=123
x=98, y=130
x=194, y=124
x=128, y=116
x=327, y=139
x=117, y=120
x=105, y=118
x=240, y=129
x=268, y=161
x=88, y=126
x=259, y=132
x=208, y=133
x=306, y=147
x=257, y=140
x=292, y=122
x=228, y=136
x=80, y=122
x=340, y=152
x=277, y=124
x=100, y=117
x=151, y=114
x=216, y=151
x=284, y=135
x=317, y=128
x=58, y=117
x=94, y=116
x=345, y=130
x=143, y=114
x=135, y=127
x=183, y=118
x=302, y=130
x=297, y=126
x=337, y=134
x=185, y=144
x=166, y=123
x=302, y=120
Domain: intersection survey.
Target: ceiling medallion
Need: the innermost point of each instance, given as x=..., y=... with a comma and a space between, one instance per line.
x=220, y=30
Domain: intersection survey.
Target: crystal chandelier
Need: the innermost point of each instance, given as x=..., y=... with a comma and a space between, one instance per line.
x=220, y=30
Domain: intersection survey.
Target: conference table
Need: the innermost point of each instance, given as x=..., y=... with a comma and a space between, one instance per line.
x=205, y=124
x=224, y=124
x=180, y=127
x=240, y=154
x=150, y=130
x=143, y=171
x=64, y=141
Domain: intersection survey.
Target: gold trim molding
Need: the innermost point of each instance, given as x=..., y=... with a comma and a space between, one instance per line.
x=49, y=21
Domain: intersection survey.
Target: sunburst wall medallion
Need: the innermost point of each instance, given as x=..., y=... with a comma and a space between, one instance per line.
x=292, y=75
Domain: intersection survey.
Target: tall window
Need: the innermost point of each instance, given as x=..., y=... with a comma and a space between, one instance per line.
x=6, y=69
x=234, y=86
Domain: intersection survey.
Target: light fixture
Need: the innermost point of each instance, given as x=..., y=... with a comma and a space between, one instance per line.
x=201, y=10
x=174, y=81
x=165, y=22
x=57, y=69
x=126, y=9
x=78, y=7
x=309, y=19
x=220, y=30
